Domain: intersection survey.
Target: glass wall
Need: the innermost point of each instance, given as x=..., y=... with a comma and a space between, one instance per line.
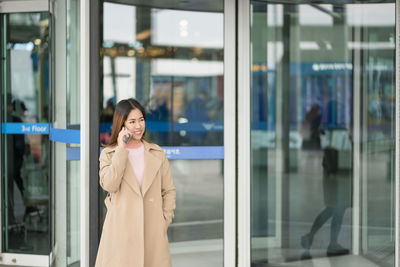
x=377, y=133
x=24, y=133
x=322, y=132
x=172, y=62
x=65, y=134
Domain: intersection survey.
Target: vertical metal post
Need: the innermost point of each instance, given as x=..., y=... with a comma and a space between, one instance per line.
x=357, y=138
x=86, y=36
x=397, y=139
x=244, y=125
x=3, y=105
x=230, y=150
x=59, y=120
x=282, y=127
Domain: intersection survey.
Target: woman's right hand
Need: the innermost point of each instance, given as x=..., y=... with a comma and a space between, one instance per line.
x=124, y=131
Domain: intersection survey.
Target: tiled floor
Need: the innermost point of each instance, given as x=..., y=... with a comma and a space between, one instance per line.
x=214, y=259
x=209, y=253
x=197, y=231
x=340, y=261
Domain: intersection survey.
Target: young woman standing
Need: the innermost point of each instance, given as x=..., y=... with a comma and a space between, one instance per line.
x=141, y=194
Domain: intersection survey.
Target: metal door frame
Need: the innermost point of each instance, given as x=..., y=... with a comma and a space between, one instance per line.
x=397, y=138
x=12, y=6
x=89, y=130
x=243, y=129
x=17, y=259
x=230, y=126
x=243, y=164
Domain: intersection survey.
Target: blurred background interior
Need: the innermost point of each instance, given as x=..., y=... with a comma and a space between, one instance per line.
x=322, y=134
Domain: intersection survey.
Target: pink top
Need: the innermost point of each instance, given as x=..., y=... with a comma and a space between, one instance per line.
x=136, y=157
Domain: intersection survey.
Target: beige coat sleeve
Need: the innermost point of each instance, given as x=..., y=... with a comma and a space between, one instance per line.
x=168, y=191
x=112, y=169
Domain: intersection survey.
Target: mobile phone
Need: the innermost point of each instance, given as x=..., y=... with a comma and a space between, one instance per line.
x=126, y=138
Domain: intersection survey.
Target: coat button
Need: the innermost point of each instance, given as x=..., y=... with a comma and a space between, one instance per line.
x=151, y=200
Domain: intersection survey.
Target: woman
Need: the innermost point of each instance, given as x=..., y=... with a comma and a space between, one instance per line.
x=141, y=194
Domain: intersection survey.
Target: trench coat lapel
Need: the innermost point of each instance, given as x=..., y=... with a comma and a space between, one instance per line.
x=130, y=178
x=152, y=165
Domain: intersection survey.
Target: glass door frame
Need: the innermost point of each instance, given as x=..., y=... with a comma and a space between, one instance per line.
x=230, y=133
x=90, y=130
x=18, y=259
x=397, y=136
x=243, y=145
x=244, y=126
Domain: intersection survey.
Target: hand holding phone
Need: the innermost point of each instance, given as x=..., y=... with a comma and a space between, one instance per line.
x=126, y=138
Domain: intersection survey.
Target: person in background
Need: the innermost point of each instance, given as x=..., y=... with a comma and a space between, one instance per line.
x=106, y=120
x=15, y=152
x=313, y=123
x=196, y=112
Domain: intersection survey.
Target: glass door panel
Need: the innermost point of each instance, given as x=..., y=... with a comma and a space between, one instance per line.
x=322, y=131
x=172, y=62
x=377, y=87
x=65, y=134
x=24, y=133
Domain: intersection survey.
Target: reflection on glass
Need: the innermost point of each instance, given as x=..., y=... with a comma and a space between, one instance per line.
x=172, y=62
x=66, y=116
x=25, y=173
x=73, y=211
x=321, y=76
x=178, y=79
x=378, y=133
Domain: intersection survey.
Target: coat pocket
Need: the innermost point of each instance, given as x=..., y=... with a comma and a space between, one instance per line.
x=108, y=201
x=166, y=224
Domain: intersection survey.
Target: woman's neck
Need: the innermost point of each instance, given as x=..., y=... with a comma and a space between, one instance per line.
x=134, y=144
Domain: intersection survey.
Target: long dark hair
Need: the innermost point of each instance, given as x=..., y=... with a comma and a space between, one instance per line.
x=122, y=110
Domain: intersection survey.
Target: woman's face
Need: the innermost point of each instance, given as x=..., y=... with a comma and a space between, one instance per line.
x=135, y=124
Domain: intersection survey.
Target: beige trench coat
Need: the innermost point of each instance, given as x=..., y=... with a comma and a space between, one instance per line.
x=135, y=228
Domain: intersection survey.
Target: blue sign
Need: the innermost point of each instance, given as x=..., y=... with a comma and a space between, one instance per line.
x=194, y=152
x=308, y=68
x=73, y=153
x=73, y=137
x=172, y=153
x=199, y=127
x=161, y=126
x=24, y=128
x=65, y=136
